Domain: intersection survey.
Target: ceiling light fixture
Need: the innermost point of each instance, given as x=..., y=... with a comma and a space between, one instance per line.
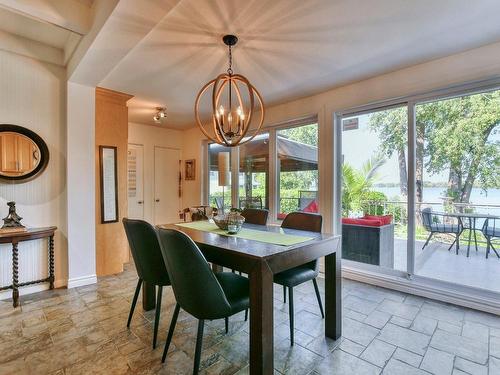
x=160, y=114
x=233, y=101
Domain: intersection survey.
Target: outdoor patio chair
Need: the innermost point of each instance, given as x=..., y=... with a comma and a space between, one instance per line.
x=491, y=229
x=438, y=222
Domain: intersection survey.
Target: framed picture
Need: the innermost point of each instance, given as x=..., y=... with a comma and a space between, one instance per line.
x=190, y=169
x=109, y=184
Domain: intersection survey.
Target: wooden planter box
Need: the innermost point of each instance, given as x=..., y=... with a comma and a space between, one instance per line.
x=367, y=244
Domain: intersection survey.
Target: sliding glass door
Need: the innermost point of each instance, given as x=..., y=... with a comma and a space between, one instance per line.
x=458, y=189
x=375, y=187
x=431, y=162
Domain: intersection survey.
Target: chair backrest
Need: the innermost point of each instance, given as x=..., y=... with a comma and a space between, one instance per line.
x=427, y=218
x=146, y=251
x=251, y=202
x=219, y=203
x=195, y=286
x=255, y=216
x=303, y=221
x=306, y=197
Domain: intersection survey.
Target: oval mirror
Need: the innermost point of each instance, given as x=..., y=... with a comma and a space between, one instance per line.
x=23, y=154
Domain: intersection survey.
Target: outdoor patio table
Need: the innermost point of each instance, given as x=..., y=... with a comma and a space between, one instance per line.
x=262, y=251
x=472, y=218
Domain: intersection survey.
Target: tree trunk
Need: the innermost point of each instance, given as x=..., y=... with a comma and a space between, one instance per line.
x=474, y=167
x=419, y=162
x=454, y=184
x=403, y=175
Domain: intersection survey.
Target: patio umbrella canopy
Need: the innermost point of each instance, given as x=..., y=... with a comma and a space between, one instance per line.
x=294, y=156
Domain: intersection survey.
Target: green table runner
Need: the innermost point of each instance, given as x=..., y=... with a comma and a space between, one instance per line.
x=249, y=234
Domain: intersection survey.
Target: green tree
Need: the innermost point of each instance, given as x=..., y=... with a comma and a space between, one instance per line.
x=457, y=133
x=357, y=184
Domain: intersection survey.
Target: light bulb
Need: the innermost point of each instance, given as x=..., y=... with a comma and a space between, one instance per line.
x=238, y=111
x=221, y=110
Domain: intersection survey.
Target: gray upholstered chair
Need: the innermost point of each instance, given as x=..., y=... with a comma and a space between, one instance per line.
x=491, y=229
x=306, y=272
x=199, y=291
x=149, y=263
x=438, y=222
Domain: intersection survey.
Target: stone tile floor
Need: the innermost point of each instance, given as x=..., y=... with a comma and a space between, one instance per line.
x=82, y=331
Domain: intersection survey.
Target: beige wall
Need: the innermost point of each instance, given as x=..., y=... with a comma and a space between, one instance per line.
x=477, y=64
x=33, y=95
x=150, y=137
x=111, y=129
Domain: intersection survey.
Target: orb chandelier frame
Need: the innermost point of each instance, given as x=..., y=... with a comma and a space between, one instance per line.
x=230, y=124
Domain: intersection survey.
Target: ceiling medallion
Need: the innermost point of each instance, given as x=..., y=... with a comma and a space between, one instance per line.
x=233, y=100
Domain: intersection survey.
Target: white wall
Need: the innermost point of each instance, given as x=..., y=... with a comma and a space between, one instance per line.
x=81, y=185
x=151, y=137
x=477, y=64
x=33, y=95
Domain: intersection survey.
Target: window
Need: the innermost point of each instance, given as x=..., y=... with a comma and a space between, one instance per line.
x=254, y=173
x=219, y=189
x=297, y=153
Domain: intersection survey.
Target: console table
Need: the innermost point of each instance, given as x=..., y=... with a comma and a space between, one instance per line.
x=31, y=234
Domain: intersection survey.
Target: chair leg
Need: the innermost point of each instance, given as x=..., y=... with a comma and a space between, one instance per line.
x=157, y=315
x=171, y=331
x=199, y=340
x=284, y=294
x=318, y=296
x=134, y=301
x=495, y=250
x=290, y=311
x=246, y=315
x=226, y=322
x=428, y=239
x=453, y=243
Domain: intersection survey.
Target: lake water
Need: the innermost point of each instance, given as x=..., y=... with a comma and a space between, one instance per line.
x=435, y=194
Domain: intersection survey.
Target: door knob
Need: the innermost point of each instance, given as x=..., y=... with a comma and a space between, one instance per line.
x=157, y=200
x=140, y=202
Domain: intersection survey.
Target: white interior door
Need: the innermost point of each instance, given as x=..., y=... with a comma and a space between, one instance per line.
x=135, y=181
x=166, y=191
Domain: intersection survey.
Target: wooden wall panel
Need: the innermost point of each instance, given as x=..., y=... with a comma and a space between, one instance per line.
x=111, y=129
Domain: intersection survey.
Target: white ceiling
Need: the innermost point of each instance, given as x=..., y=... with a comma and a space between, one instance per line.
x=36, y=30
x=292, y=48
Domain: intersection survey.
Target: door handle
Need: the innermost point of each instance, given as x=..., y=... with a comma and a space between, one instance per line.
x=157, y=200
x=140, y=202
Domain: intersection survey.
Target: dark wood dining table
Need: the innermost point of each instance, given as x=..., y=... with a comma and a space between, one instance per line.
x=261, y=261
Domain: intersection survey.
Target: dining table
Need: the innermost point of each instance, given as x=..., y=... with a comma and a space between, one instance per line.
x=471, y=219
x=261, y=251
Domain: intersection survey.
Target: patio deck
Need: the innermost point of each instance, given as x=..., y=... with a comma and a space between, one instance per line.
x=437, y=262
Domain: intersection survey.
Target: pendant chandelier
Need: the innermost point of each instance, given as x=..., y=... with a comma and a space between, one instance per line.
x=233, y=101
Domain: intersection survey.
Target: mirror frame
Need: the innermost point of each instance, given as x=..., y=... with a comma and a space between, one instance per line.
x=42, y=146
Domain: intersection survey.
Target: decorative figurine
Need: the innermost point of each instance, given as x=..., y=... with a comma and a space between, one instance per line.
x=13, y=220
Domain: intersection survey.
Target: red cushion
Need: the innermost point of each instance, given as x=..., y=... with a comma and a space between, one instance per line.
x=362, y=221
x=385, y=219
x=312, y=207
x=281, y=216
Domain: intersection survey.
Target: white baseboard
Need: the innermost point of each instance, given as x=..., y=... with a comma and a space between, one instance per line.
x=82, y=281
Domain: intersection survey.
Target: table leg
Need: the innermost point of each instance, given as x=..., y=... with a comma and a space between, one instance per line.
x=470, y=236
x=333, y=297
x=475, y=234
x=51, y=262
x=15, y=275
x=261, y=321
x=148, y=296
